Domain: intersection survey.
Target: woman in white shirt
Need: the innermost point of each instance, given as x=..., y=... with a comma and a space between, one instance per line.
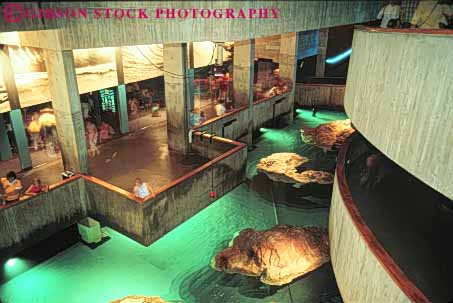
x=389, y=12
x=141, y=189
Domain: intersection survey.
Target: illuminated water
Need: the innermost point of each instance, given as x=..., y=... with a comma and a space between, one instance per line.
x=176, y=267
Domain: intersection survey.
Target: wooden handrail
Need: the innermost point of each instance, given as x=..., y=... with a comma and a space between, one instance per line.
x=428, y=31
x=195, y=171
x=276, y=97
x=321, y=84
x=387, y=262
x=212, y=120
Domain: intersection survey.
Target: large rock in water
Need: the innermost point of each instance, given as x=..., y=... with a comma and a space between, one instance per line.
x=140, y=299
x=328, y=135
x=278, y=255
x=282, y=167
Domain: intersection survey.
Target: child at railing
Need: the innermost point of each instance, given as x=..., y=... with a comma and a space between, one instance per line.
x=36, y=188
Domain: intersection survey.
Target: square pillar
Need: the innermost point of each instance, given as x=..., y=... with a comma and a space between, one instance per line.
x=243, y=73
x=322, y=52
x=5, y=147
x=122, y=97
x=288, y=66
x=68, y=112
x=177, y=96
x=17, y=122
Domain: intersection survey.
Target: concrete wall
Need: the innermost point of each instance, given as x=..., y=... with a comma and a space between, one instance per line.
x=27, y=222
x=328, y=95
x=263, y=112
x=363, y=269
x=35, y=219
x=115, y=208
x=294, y=16
x=399, y=95
x=359, y=274
x=234, y=125
x=179, y=203
x=209, y=146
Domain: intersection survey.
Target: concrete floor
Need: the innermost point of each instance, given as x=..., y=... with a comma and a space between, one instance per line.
x=176, y=267
x=141, y=154
x=405, y=216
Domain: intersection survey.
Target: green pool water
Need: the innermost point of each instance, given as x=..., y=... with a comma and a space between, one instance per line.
x=177, y=266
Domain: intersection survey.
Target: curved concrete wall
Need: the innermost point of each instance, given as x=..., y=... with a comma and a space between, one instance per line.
x=90, y=32
x=399, y=95
x=359, y=274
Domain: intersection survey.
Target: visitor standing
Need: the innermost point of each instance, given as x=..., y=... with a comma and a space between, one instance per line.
x=390, y=15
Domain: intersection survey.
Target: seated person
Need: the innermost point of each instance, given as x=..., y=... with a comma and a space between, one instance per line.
x=220, y=109
x=12, y=187
x=35, y=188
x=105, y=131
x=142, y=189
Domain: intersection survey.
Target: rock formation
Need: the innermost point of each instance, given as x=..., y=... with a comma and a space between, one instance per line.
x=328, y=135
x=278, y=255
x=140, y=299
x=282, y=167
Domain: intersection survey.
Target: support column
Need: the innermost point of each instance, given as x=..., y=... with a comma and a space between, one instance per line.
x=121, y=93
x=322, y=52
x=67, y=108
x=243, y=71
x=190, y=79
x=176, y=96
x=17, y=121
x=288, y=66
x=5, y=147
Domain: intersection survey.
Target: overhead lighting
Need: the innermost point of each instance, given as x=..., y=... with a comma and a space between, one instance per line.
x=340, y=57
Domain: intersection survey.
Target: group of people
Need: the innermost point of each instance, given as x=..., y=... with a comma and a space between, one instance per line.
x=140, y=98
x=11, y=188
x=427, y=14
x=278, y=86
x=220, y=86
x=96, y=135
x=42, y=132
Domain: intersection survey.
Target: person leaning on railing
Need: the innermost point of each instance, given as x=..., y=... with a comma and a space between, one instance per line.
x=432, y=15
x=36, y=188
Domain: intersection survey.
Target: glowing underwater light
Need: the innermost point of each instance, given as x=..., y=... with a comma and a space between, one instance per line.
x=340, y=57
x=11, y=262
